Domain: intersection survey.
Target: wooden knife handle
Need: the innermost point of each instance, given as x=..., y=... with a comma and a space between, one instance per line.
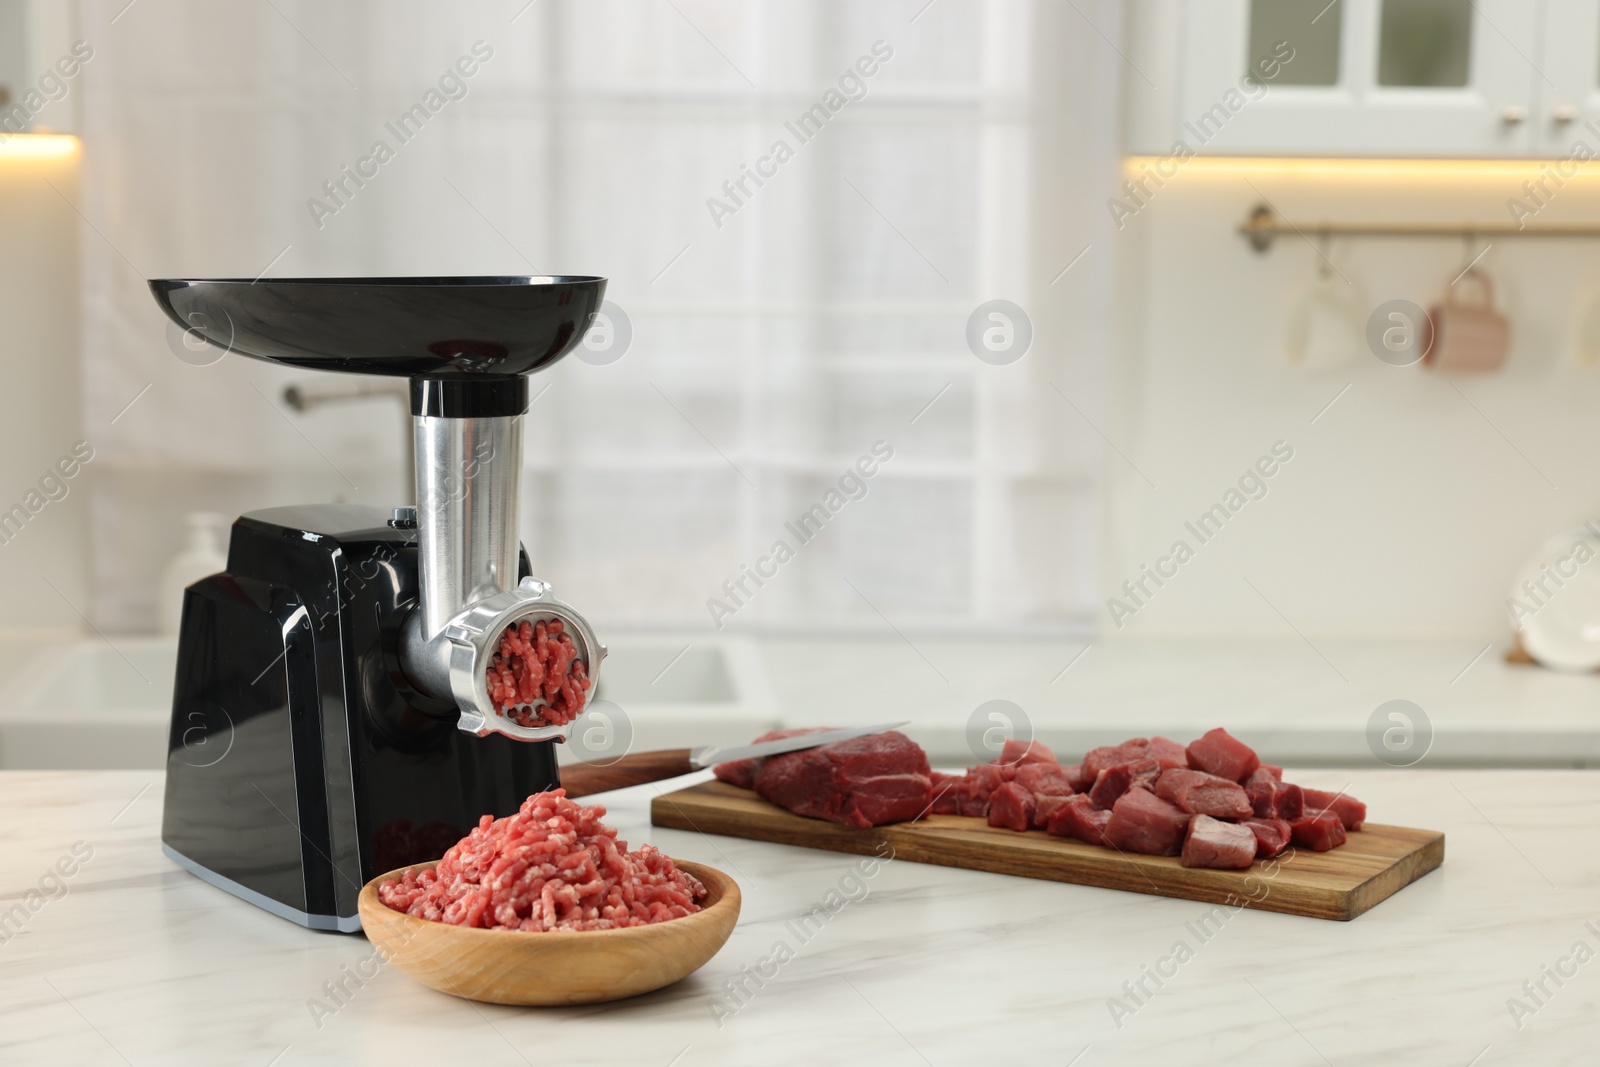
x=582, y=779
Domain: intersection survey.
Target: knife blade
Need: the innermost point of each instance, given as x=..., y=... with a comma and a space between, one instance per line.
x=710, y=755
x=637, y=768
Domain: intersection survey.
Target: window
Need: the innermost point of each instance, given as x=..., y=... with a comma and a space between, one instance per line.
x=787, y=334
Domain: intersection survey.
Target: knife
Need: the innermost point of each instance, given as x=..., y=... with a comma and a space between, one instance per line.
x=599, y=776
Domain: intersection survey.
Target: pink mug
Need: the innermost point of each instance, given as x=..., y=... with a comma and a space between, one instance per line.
x=1466, y=336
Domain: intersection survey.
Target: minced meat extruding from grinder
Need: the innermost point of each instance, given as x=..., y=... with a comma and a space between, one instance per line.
x=552, y=866
x=538, y=661
x=1144, y=795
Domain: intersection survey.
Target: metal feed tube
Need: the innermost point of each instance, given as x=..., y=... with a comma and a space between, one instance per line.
x=469, y=487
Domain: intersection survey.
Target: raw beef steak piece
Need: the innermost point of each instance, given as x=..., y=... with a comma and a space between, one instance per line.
x=1011, y=806
x=866, y=781
x=1115, y=781
x=1271, y=798
x=742, y=772
x=1047, y=778
x=1018, y=752
x=1200, y=793
x=1214, y=843
x=1272, y=835
x=1274, y=770
x=1352, y=813
x=1045, y=807
x=1318, y=831
x=1078, y=818
x=1220, y=753
x=1143, y=822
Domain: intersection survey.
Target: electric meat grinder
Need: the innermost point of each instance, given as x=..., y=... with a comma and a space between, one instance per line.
x=331, y=718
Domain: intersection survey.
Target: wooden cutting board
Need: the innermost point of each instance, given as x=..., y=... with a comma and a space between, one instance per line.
x=1376, y=862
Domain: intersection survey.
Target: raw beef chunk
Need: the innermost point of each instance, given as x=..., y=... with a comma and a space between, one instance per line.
x=1078, y=818
x=1262, y=789
x=1271, y=798
x=1272, y=835
x=1143, y=822
x=1047, y=778
x=1045, y=807
x=1111, y=784
x=1098, y=759
x=1011, y=806
x=1220, y=753
x=1200, y=793
x=1289, y=804
x=1318, y=831
x=1018, y=752
x=742, y=772
x=979, y=783
x=1115, y=781
x=985, y=778
x=1213, y=843
x=973, y=804
x=1081, y=779
x=1274, y=770
x=1352, y=813
x=1168, y=752
x=867, y=781
x=946, y=793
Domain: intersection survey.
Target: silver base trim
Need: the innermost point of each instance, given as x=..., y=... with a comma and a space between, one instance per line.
x=341, y=924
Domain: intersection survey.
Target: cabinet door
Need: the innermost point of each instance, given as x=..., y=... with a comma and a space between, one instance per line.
x=1360, y=77
x=1569, y=86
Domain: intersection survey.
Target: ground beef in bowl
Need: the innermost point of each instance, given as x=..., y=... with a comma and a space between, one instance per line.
x=552, y=866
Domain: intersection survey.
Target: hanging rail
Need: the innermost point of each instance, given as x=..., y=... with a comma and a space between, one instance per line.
x=1263, y=226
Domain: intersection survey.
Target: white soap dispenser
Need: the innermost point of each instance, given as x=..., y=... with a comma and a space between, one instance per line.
x=204, y=553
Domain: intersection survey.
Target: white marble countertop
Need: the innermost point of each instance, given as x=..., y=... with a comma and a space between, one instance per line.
x=136, y=962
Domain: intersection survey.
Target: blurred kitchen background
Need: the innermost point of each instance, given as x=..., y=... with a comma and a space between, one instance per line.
x=1202, y=216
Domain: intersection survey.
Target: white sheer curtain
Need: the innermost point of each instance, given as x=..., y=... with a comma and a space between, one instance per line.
x=779, y=330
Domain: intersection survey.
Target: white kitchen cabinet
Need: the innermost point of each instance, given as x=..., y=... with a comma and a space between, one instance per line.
x=13, y=47
x=1569, y=89
x=37, y=45
x=1367, y=77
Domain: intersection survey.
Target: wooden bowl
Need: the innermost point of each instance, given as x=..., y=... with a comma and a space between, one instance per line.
x=557, y=967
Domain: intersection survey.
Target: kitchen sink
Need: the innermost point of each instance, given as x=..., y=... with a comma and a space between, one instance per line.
x=92, y=703
x=676, y=692
x=88, y=703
